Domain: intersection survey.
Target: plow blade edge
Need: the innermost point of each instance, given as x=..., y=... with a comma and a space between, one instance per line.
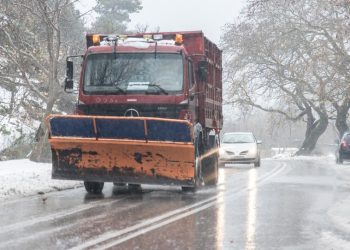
x=122, y=149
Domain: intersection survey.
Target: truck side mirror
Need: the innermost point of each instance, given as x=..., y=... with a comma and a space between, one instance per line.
x=68, y=83
x=203, y=70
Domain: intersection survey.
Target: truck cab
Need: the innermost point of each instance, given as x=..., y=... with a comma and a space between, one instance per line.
x=174, y=75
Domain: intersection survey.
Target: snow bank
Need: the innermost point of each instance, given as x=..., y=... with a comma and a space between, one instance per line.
x=292, y=156
x=23, y=178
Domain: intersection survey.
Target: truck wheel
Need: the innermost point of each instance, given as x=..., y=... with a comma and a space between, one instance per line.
x=93, y=187
x=119, y=184
x=197, y=177
x=215, y=172
x=189, y=189
x=134, y=188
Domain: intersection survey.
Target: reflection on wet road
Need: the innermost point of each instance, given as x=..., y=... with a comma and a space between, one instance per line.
x=278, y=205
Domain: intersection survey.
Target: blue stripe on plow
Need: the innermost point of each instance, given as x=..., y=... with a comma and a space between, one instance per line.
x=72, y=127
x=168, y=131
x=120, y=129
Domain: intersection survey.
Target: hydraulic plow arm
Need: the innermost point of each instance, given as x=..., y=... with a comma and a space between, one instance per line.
x=122, y=149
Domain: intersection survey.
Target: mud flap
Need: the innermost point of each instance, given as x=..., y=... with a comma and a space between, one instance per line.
x=122, y=149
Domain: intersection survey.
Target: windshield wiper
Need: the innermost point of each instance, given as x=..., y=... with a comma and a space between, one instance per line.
x=158, y=87
x=116, y=86
x=120, y=89
x=233, y=142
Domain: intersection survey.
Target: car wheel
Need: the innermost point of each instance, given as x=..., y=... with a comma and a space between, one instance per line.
x=257, y=164
x=340, y=159
x=93, y=187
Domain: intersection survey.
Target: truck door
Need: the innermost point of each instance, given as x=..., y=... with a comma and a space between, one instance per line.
x=192, y=95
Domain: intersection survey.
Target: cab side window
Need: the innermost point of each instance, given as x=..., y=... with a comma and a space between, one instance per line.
x=190, y=74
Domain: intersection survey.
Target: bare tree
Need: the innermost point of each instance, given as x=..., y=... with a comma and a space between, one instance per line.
x=32, y=46
x=290, y=56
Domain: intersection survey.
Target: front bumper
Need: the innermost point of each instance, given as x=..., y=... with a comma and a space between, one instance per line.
x=238, y=160
x=344, y=154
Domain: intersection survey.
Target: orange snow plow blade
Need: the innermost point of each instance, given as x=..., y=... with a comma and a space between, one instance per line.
x=122, y=149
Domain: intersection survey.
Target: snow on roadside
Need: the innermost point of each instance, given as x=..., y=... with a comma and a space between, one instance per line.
x=20, y=178
x=339, y=212
x=290, y=156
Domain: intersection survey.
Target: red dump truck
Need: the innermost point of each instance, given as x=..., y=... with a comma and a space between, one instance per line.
x=149, y=111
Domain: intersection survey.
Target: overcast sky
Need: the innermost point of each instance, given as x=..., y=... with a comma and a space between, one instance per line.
x=206, y=15
x=184, y=15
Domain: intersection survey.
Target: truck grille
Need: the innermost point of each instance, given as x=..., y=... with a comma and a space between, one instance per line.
x=162, y=111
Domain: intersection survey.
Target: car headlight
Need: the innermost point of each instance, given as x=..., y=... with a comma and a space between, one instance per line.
x=253, y=151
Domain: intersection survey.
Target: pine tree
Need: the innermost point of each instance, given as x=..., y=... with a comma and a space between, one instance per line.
x=113, y=15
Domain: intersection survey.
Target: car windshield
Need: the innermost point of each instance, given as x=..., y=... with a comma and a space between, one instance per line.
x=133, y=72
x=238, y=138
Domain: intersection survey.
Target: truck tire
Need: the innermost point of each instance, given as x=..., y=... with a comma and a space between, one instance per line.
x=119, y=184
x=215, y=172
x=197, y=179
x=134, y=188
x=93, y=187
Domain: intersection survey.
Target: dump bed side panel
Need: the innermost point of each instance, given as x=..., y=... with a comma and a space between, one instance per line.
x=210, y=97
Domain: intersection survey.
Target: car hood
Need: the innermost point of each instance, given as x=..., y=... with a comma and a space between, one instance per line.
x=235, y=147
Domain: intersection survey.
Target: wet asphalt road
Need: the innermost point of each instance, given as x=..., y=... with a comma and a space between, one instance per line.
x=281, y=205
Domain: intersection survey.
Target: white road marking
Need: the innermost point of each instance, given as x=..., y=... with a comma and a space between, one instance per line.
x=55, y=216
x=169, y=217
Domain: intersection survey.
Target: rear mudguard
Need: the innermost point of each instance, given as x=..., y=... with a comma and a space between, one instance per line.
x=136, y=150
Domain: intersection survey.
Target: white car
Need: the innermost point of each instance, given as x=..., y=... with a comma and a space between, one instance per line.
x=239, y=147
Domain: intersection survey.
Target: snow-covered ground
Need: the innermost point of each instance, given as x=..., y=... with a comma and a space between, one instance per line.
x=20, y=178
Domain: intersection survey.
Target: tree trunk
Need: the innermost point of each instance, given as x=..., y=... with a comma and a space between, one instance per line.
x=314, y=133
x=340, y=122
x=41, y=150
x=311, y=122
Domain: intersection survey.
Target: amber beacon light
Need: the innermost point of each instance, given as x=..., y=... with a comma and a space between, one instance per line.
x=178, y=39
x=95, y=39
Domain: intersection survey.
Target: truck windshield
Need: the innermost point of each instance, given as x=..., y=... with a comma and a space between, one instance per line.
x=133, y=73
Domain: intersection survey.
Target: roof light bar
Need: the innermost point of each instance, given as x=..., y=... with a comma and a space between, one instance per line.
x=96, y=39
x=178, y=39
x=147, y=37
x=158, y=36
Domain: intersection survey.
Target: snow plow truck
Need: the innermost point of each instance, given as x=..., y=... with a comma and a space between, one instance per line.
x=149, y=111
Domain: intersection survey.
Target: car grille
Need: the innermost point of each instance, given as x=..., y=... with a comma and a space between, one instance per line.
x=230, y=152
x=244, y=152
